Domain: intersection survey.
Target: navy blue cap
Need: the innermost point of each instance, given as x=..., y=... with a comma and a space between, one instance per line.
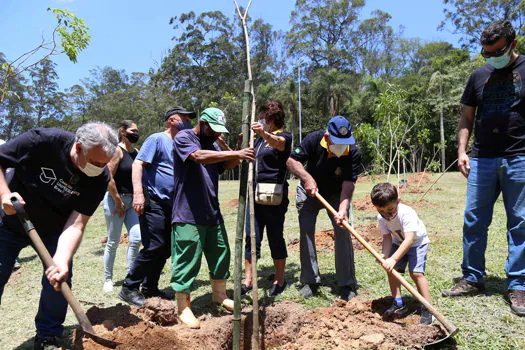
x=340, y=131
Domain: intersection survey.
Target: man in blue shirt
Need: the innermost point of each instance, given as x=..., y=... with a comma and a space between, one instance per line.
x=152, y=177
x=198, y=226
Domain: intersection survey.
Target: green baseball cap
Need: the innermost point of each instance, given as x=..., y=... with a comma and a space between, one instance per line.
x=216, y=118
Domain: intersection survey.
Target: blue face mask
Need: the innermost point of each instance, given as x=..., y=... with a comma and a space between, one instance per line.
x=499, y=62
x=184, y=125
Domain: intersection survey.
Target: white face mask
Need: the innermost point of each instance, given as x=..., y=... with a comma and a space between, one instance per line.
x=338, y=150
x=90, y=169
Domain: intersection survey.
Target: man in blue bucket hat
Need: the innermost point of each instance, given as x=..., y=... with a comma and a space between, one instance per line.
x=333, y=162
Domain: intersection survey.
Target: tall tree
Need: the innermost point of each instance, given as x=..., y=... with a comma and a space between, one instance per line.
x=325, y=31
x=47, y=101
x=470, y=17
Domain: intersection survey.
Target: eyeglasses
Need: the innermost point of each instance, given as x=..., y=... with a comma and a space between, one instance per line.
x=497, y=53
x=388, y=214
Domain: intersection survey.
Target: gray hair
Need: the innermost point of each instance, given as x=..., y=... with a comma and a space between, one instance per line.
x=95, y=134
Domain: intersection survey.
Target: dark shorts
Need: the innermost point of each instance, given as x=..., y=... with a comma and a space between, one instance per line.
x=416, y=257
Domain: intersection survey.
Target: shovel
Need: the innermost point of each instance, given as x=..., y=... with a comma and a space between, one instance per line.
x=448, y=326
x=42, y=251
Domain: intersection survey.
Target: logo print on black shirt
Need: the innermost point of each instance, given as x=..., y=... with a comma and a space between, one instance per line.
x=48, y=176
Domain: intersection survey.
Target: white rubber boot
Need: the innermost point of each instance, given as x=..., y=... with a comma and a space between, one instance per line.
x=184, y=311
x=219, y=296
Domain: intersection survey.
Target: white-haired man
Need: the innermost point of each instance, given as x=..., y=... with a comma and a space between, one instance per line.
x=60, y=178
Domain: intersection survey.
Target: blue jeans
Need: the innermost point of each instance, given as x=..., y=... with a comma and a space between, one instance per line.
x=487, y=178
x=114, y=225
x=53, y=307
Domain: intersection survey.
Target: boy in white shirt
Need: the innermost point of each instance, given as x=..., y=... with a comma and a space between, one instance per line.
x=405, y=241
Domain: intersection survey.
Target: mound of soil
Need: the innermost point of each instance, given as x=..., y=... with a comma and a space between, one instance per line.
x=354, y=325
x=154, y=327
x=232, y=203
x=371, y=234
x=363, y=204
x=324, y=239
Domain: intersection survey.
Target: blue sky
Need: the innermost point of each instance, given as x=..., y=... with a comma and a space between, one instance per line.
x=135, y=35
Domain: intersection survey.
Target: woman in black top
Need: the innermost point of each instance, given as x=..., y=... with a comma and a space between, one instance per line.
x=272, y=150
x=118, y=202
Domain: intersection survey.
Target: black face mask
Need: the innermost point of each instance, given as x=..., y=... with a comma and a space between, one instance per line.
x=132, y=136
x=205, y=139
x=184, y=125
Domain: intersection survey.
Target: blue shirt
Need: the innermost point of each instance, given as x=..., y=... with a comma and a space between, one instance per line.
x=157, y=175
x=196, y=197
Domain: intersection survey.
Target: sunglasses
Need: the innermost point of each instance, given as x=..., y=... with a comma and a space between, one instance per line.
x=497, y=53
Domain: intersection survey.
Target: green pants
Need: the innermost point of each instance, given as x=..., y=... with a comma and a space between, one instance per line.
x=188, y=243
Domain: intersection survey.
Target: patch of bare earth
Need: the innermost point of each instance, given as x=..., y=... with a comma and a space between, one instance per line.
x=287, y=325
x=354, y=325
x=324, y=239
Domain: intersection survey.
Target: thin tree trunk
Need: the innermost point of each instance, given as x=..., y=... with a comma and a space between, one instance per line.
x=255, y=296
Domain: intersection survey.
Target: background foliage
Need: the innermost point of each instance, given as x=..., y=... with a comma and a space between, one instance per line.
x=361, y=68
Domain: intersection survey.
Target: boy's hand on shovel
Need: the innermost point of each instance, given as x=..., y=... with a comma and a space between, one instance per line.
x=389, y=264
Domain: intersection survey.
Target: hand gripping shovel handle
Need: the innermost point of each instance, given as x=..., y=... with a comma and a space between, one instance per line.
x=449, y=326
x=48, y=262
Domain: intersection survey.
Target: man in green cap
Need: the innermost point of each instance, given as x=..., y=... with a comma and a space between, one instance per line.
x=197, y=223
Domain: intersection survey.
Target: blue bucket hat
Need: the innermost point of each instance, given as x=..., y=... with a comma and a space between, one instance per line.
x=340, y=131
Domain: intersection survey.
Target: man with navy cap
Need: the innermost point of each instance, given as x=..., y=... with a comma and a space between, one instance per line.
x=333, y=163
x=152, y=178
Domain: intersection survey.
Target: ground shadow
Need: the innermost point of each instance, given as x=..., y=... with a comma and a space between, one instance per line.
x=493, y=285
x=98, y=252
x=27, y=258
x=65, y=341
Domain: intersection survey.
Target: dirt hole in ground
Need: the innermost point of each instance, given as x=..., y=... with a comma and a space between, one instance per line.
x=287, y=325
x=324, y=239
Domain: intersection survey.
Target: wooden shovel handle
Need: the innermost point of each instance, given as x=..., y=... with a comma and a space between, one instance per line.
x=448, y=325
x=48, y=262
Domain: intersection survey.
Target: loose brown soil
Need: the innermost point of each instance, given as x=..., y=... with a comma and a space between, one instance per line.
x=364, y=204
x=324, y=239
x=232, y=203
x=286, y=325
x=124, y=238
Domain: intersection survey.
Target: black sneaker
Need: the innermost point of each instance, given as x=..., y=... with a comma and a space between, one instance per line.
x=464, y=288
x=517, y=301
x=426, y=316
x=156, y=293
x=277, y=289
x=245, y=289
x=346, y=293
x=131, y=296
x=308, y=290
x=396, y=311
x=47, y=343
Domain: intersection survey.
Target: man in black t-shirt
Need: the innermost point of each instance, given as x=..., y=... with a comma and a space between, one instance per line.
x=495, y=99
x=60, y=179
x=333, y=163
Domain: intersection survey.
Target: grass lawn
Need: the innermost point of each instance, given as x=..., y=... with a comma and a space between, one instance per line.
x=485, y=322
